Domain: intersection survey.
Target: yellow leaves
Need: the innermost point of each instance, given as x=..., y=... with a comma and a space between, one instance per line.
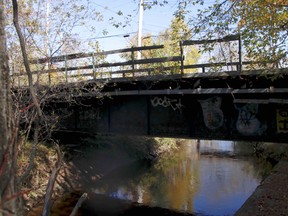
x=277, y=3
x=242, y=23
x=263, y=25
x=262, y=14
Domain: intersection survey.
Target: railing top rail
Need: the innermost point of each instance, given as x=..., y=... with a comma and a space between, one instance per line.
x=90, y=54
x=219, y=40
x=106, y=65
x=132, y=49
x=129, y=66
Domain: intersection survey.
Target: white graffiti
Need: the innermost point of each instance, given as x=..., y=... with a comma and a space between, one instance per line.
x=175, y=104
x=212, y=114
x=247, y=122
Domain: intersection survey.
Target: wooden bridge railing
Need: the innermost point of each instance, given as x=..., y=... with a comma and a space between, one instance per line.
x=91, y=65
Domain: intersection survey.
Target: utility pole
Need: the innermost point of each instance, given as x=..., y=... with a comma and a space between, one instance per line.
x=47, y=28
x=140, y=21
x=47, y=50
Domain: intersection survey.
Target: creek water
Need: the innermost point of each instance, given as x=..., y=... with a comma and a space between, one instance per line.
x=193, y=180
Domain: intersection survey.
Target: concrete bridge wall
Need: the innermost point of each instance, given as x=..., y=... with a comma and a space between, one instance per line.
x=184, y=116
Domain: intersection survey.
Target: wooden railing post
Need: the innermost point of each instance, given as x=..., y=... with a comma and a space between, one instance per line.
x=240, y=53
x=132, y=59
x=49, y=77
x=94, y=69
x=182, y=57
x=19, y=80
x=130, y=66
x=49, y=73
x=66, y=71
x=12, y=75
x=38, y=69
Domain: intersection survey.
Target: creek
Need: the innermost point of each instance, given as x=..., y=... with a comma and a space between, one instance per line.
x=207, y=178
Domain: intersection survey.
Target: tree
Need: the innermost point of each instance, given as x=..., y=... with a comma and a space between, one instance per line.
x=262, y=25
x=49, y=28
x=30, y=105
x=9, y=194
x=170, y=38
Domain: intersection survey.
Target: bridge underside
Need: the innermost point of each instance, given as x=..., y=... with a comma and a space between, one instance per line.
x=253, y=109
x=214, y=117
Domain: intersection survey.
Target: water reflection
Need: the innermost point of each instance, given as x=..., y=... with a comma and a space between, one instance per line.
x=224, y=186
x=216, y=146
x=187, y=181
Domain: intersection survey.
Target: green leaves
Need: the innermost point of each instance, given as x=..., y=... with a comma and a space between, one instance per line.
x=262, y=23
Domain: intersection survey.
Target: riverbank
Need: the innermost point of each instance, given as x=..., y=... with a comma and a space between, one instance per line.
x=271, y=196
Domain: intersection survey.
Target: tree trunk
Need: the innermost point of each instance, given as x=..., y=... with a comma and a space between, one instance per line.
x=9, y=194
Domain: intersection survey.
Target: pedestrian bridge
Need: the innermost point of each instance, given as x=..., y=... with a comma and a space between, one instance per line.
x=224, y=100
x=188, y=107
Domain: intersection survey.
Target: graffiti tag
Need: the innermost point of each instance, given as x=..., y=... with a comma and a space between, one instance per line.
x=247, y=121
x=175, y=104
x=87, y=115
x=282, y=121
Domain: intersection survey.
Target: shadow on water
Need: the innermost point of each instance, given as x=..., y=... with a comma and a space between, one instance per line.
x=195, y=180
x=111, y=206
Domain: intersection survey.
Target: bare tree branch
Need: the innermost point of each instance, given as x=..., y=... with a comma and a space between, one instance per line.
x=51, y=183
x=79, y=204
x=25, y=57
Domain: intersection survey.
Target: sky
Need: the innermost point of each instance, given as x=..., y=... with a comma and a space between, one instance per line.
x=155, y=20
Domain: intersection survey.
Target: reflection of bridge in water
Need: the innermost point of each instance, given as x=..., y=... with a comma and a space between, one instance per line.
x=165, y=96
